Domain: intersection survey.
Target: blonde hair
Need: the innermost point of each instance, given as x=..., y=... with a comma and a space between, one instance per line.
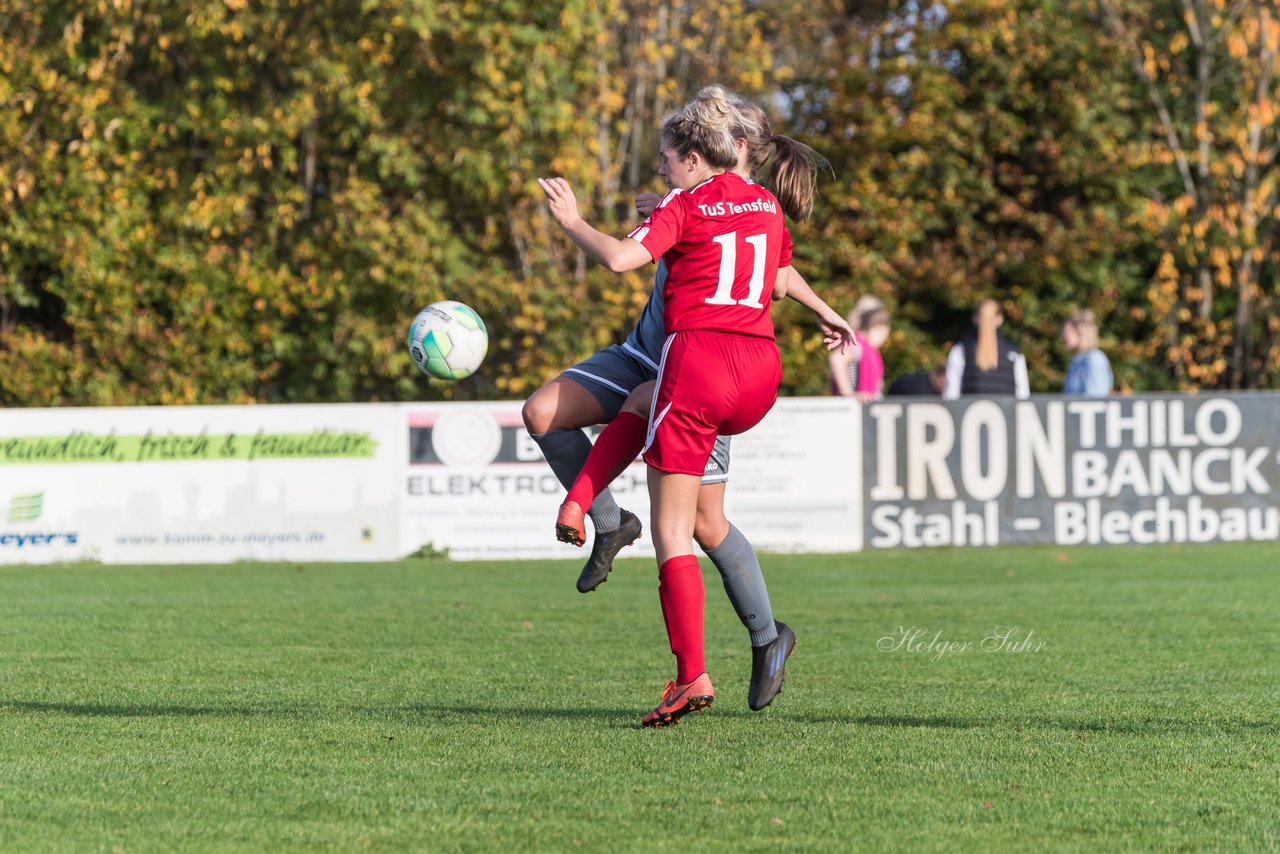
x=860, y=316
x=1086, y=329
x=705, y=125
x=872, y=318
x=793, y=174
x=988, y=317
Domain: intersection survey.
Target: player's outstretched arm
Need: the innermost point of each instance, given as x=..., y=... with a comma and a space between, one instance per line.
x=618, y=255
x=836, y=331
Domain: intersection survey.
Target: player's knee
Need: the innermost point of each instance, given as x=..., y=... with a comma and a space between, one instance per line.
x=671, y=536
x=538, y=413
x=710, y=529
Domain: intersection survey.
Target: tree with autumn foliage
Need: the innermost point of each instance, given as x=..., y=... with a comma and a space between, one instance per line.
x=215, y=202
x=232, y=201
x=1208, y=72
x=979, y=149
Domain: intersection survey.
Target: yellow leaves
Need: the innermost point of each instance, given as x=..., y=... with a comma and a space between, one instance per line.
x=1263, y=112
x=1149, y=61
x=71, y=35
x=612, y=101
x=23, y=184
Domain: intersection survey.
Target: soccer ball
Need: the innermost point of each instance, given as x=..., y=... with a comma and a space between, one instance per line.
x=448, y=340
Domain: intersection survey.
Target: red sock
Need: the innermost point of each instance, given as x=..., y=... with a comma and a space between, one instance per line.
x=682, y=595
x=615, y=449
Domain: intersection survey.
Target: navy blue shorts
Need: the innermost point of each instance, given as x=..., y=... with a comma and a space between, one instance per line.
x=612, y=373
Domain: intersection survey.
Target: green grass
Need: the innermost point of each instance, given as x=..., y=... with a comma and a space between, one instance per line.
x=441, y=706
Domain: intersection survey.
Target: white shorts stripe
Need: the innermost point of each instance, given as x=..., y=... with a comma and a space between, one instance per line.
x=619, y=389
x=639, y=354
x=654, y=421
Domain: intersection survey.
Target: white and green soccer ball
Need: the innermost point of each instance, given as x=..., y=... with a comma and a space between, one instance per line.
x=448, y=340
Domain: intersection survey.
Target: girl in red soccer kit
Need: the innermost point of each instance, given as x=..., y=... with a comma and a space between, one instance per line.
x=724, y=242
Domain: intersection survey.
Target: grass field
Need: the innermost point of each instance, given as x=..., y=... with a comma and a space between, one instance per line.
x=445, y=706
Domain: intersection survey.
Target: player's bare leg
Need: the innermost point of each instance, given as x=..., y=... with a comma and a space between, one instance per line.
x=561, y=404
x=674, y=499
x=615, y=449
x=554, y=415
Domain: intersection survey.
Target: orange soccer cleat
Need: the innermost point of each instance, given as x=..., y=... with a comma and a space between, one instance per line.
x=680, y=700
x=570, y=524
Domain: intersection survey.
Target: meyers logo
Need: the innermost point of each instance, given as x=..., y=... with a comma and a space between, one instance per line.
x=27, y=508
x=24, y=508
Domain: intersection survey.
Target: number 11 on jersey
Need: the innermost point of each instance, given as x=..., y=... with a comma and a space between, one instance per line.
x=728, y=266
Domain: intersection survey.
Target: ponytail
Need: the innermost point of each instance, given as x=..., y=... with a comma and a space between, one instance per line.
x=712, y=123
x=793, y=175
x=987, y=319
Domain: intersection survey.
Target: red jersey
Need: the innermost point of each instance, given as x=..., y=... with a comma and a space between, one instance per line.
x=723, y=242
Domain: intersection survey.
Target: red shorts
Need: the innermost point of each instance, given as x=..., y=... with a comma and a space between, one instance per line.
x=709, y=384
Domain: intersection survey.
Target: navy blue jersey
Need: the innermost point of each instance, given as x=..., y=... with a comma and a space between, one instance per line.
x=646, y=340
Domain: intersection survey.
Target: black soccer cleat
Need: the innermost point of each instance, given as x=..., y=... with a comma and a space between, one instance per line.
x=768, y=663
x=605, y=549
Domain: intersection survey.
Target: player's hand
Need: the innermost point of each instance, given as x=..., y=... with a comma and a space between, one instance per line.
x=560, y=200
x=836, y=332
x=646, y=203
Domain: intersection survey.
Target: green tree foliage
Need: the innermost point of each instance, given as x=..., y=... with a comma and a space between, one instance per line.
x=980, y=150
x=233, y=201
x=1207, y=70
x=213, y=201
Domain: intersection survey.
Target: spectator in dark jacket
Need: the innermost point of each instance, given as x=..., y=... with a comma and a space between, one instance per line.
x=920, y=383
x=984, y=362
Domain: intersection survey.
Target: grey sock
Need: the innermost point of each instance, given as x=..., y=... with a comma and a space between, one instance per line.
x=566, y=452
x=744, y=582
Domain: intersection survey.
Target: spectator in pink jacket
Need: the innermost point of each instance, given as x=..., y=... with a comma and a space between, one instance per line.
x=860, y=373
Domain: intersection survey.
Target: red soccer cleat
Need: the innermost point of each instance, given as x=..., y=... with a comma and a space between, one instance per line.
x=570, y=524
x=680, y=700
